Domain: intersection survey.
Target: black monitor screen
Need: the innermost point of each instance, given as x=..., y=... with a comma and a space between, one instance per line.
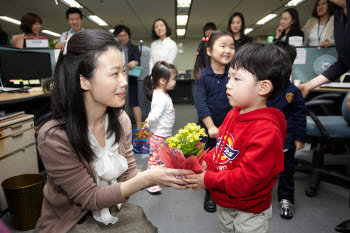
x=23, y=65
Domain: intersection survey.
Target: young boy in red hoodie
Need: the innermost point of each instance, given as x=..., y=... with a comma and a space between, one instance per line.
x=244, y=166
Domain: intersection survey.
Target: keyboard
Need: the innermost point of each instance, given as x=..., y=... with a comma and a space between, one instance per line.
x=336, y=85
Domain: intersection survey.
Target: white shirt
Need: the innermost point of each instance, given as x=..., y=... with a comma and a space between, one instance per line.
x=66, y=35
x=313, y=37
x=162, y=116
x=165, y=50
x=109, y=165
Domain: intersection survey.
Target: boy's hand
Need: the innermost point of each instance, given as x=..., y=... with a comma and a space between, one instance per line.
x=195, y=181
x=213, y=132
x=299, y=145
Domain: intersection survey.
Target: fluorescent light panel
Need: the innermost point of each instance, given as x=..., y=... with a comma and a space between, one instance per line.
x=10, y=20
x=97, y=20
x=247, y=30
x=181, y=20
x=51, y=33
x=294, y=2
x=180, y=32
x=266, y=19
x=72, y=3
x=183, y=3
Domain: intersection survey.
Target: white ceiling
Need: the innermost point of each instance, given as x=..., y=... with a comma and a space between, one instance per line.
x=140, y=14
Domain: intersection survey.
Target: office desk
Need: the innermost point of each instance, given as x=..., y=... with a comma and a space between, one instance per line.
x=331, y=89
x=34, y=102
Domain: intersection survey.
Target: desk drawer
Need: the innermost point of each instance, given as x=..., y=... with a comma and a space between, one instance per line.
x=16, y=141
x=16, y=128
x=23, y=161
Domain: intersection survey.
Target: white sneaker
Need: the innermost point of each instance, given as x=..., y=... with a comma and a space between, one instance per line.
x=154, y=189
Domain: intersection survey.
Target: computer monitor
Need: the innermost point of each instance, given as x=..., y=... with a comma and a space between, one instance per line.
x=20, y=67
x=312, y=61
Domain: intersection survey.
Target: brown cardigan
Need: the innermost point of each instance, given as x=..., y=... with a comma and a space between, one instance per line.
x=71, y=190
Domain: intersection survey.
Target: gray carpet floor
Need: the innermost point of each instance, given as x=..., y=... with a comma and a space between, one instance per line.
x=175, y=211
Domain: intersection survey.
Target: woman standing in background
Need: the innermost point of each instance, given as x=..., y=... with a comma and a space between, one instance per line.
x=163, y=48
x=319, y=30
x=123, y=34
x=289, y=25
x=236, y=25
x=31, y=25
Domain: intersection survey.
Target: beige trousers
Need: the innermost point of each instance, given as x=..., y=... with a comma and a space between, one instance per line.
x=236, y=221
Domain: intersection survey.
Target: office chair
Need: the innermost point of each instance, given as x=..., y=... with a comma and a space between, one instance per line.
x=322, y=131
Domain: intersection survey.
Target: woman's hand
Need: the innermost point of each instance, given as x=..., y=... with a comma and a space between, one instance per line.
x=163, y=176
x=279, y=31
x=195, y=181
x=324, y=43
x=299, y=145
x=213, y=131
x=132, y=64
x=304, y=89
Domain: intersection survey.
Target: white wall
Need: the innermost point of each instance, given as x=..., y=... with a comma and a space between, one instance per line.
x=185, y=60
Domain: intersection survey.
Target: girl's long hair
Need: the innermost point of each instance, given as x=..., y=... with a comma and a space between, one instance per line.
x=160, y=70
x=67, y=97
x=203, y=59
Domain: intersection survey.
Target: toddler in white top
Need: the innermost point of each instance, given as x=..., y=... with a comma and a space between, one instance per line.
x=161, y=118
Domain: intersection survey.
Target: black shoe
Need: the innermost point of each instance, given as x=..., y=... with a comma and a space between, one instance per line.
x=343, y=227
x=209, y=204
x=286, y=209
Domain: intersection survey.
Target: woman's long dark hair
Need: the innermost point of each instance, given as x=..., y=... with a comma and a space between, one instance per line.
x=331, y=9
x=160, y=70
x=241, y=32
x=295, y=27
x=154, y=34
x=67, y=99
x=202, y=59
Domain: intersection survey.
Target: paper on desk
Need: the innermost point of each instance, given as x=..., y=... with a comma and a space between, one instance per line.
x=301, y=56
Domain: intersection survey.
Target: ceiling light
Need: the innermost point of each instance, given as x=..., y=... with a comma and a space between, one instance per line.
x=294, y=2
x=98, y=20
x=111, y=30
x=180, y=32
x=247, y=30
x=183, y=3
x=72, y=3
x=266, y=19
x=51, y=33
x=182, y=20
x=8, y=19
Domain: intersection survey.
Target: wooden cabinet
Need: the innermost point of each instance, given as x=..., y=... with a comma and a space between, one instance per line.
x=17, y=150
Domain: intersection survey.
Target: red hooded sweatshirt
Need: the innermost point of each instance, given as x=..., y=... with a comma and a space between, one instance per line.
x=244, y=165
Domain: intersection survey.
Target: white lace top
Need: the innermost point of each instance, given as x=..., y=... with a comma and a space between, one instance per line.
x=109, y=165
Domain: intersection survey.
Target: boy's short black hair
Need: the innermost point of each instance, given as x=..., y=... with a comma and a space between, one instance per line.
x=209, y=25
x=265, y=62
x=119, y=28
x=73, y=10
x=290, y=50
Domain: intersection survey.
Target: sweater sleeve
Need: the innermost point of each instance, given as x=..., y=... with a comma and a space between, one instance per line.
x=172, y=52
x=336, y=70
x=70, y=175
x=129, y=155
x=262, y=162
x=200, y=99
